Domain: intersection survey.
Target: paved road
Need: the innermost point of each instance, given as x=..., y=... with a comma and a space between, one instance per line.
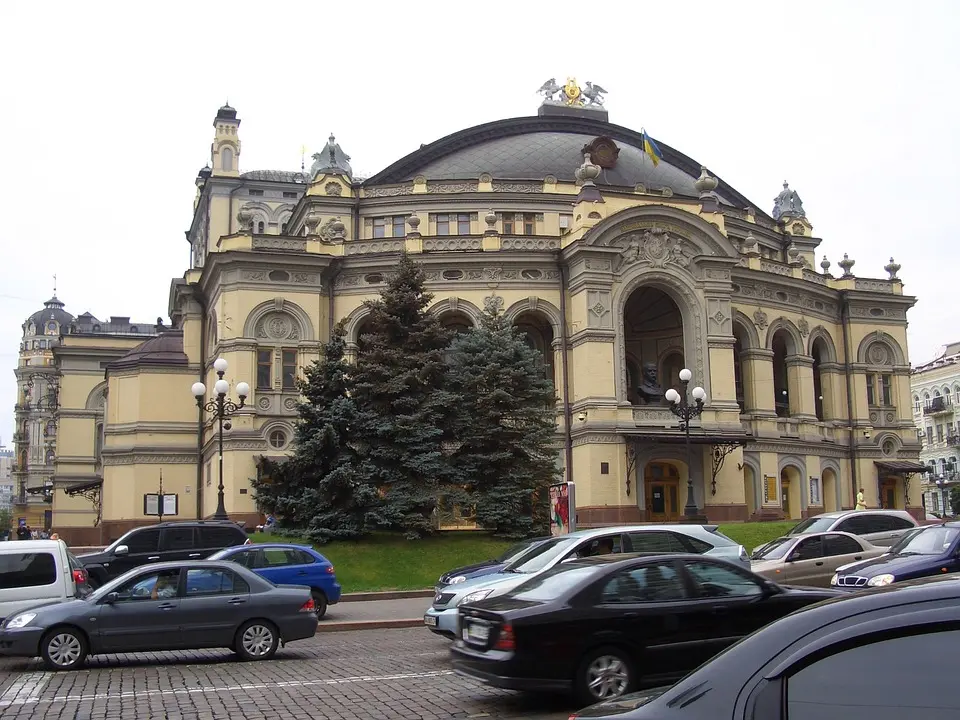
x=371, y=674
x=403, y=609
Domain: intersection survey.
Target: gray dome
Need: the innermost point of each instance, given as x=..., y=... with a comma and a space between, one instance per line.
x=52, y=310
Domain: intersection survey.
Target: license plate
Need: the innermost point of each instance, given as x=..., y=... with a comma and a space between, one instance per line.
x=429, y=620
x=476, y=633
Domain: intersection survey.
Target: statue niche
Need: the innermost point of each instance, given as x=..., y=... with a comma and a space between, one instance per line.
x=653, y=342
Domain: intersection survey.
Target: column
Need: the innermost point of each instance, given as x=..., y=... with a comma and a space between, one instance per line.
x=757, y=367
x=800, y=387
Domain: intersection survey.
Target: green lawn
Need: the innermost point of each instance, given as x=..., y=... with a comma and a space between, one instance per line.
x=388, y=562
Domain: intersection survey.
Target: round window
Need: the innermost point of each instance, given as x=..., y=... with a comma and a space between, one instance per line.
x=889, y=447
x=278, y=439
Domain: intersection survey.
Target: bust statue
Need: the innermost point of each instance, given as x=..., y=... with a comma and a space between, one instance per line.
x=650, y=391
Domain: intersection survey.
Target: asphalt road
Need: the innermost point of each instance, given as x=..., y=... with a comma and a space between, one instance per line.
x=370, y=674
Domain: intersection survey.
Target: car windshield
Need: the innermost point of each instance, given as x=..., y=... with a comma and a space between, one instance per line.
x=903, y=541
x=773, y=550
x=552, y=584
x=539, y=556
x=515, y=551
x=812, y=525
x=930, y=541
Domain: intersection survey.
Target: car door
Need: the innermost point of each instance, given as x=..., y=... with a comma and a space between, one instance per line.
x=839, y=550
x=805, y=562
x=179, y=542
x=144, y=616
x=646, y=607
x=216, y=601
x=143, y=547
x=732, y=602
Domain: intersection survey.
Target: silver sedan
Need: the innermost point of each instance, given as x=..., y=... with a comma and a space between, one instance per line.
x=810, y=559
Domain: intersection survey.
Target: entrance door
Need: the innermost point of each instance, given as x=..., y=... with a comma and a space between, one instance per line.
x=785, y=496
x=662, y=483
x=888, y=493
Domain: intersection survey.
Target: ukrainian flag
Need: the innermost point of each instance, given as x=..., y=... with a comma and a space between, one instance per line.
x=651, y=148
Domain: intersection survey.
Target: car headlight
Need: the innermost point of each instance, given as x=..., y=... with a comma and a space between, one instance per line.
x=880, y=580
x=475, y=596
x=458, y=579
x=835, y=579
x=18, y=621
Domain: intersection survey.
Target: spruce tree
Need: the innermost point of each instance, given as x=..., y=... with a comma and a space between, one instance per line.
x=505, y=428
x=321, y=491
x=399, y=382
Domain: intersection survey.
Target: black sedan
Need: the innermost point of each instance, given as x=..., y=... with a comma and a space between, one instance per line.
x=166, y=606
x=932, y=550
x=882, y=655
x=606, y=625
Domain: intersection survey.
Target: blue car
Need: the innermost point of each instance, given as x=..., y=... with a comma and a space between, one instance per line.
x=930, y=550
x=285, y=564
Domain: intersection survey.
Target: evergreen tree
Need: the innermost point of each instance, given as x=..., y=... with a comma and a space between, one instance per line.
x=321, y=491
x=506, y=427
x=399, y=382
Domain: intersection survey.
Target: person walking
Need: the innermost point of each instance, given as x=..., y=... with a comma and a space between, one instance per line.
x=861, y=502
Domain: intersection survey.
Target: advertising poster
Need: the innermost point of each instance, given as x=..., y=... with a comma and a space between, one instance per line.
x=563, y=510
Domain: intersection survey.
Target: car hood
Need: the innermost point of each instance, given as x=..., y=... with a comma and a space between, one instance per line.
x=890, y=564
x=759, y=566
x=490, y=566
x=812, y=593
x=621, y=705
x=53, y=611
x=501, y=581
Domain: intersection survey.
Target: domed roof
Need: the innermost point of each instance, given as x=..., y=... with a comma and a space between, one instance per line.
x=530, y=148
x=52, y=310
x=164, y=349
x=227, y=113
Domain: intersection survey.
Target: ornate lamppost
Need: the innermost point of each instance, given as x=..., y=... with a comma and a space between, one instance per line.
x=681, y=407
x=222, y=407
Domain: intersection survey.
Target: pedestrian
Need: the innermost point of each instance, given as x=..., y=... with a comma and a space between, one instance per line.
x=861, y=502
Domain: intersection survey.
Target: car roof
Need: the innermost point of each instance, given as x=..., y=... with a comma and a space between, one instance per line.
x=275, y=545
x=20, y=545
x=636, y=528
x=837, y=514
x=625, y=558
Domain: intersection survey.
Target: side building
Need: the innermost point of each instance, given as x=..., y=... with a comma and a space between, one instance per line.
x=936, y=412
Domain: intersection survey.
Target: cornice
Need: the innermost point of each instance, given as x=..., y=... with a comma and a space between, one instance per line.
x=136, y=457
x=591, y=335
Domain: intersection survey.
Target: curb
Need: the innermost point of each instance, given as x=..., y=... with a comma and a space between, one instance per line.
x=385, y=595
x=368, y=625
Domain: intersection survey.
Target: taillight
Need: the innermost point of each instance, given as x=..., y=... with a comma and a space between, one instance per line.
x=308, y=606
x=79, y=576
x=506, y=640
x=330, y=570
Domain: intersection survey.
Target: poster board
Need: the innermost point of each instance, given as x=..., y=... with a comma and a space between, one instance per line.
x=563, y=508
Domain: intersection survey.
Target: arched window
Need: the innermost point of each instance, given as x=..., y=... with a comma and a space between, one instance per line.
x=278, y=336
x=260, y=227
x=916, y=404
x=226, y=159
x=880, y=391
x=50, y=456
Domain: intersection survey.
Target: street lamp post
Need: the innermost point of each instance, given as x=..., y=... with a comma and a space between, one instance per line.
x=681, y=407
x=222, y=407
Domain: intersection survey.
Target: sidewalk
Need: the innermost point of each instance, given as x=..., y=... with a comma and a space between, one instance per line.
x=374, y=614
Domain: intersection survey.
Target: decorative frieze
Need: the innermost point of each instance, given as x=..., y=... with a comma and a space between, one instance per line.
x=388, y=191
x=876, y=313
x=884, y=286
x=280, y=276
x=776, y=268
x=599, y=307
x=530, y=243
x=368, y=247
x=446, y=187
x=518, y=187
x=788, y=298
x=144, y=459
x=814, y=277
x=438, y=244
x=271, y=242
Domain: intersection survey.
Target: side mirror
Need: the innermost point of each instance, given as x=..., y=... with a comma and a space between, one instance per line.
x=111, y=598
x=121, y=550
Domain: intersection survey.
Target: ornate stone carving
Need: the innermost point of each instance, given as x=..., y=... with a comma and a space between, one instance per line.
x=493, y=303
x=333, y=188
x=257, y=275
x=529, y=243
x=814, y=277
x=517, y=187
x=804, y=327
x=446, y=187
x=186, y=459
x=490, y=274
x=348, y=280
x=654, y=416
x=720, y=316
x=486, y=177
x=760, y=319
x=601, y=264
x=785, y=297
x=598, y=304
x=287, y=244
x=716, y=274
x=656, y=247
x=878, y=354
x=366, y=247
x=776, y=268
x=884, y=286
x=389, y=191
x=436, y=244
x=304, y=278
x=290, y=403
x=263, y=403
x=278, y=326
x=533, y=302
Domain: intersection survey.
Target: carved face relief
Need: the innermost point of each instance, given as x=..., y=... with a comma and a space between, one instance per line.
x=278, y=326
x=878, y=354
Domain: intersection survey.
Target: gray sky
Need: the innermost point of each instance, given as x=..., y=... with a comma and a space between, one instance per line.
x=106, y=112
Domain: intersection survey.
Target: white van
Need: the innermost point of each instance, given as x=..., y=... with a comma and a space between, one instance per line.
x=34, y=572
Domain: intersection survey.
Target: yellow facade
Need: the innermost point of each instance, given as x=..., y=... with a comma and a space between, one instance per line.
x=621, y=272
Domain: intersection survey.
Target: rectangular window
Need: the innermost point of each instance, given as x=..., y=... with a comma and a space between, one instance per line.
x=529, y=224
x=19, y=570
x=289, y=194
x=256, y=193
x=929, y=434
x=379, y=227
x=399, y=226
x=289, y=363
x=871, y=393
x=508, y=223
x=463, y=224
x=940, y=433
x=264, y=369
x=886, y=390
x=443, y=224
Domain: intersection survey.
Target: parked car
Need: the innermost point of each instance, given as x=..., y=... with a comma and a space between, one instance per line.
x=441, y=616
x=881, y=528
x=810, y=559
x=604, y=626
x=934, y=550
x=285, y=564
x=881, y=654
x=167, y=606
x=163, y=542
x=33, y=572
x=488, y=567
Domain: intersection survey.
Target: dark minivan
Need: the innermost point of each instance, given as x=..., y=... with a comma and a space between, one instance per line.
x=163, y=542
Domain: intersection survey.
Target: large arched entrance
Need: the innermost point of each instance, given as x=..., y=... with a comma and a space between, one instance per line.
x=750, y=490
x=653, y=345
x=662, y=484
x=538, y=332
x=783, y=347
x=791, y=492
x=457, y=321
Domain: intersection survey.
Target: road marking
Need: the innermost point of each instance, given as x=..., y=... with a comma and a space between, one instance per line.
x=31, y=697
x=26, y=689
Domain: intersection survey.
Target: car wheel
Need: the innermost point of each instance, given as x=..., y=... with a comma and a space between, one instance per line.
x=257, y=640
x=604, y=674
x=320, y=600
x=63, y=649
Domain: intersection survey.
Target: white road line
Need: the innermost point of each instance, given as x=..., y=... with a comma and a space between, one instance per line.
x=26, y=689
x=32, y=698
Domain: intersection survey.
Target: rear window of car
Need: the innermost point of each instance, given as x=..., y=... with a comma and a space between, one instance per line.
x=221, y=537
x=813, y=525
x=18, y=570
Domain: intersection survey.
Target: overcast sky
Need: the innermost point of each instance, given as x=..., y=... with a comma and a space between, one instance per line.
x=106, y=112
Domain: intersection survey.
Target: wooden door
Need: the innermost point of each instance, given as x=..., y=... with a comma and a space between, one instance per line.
x=888, y=493
x=785, y=496
x=662, y=481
